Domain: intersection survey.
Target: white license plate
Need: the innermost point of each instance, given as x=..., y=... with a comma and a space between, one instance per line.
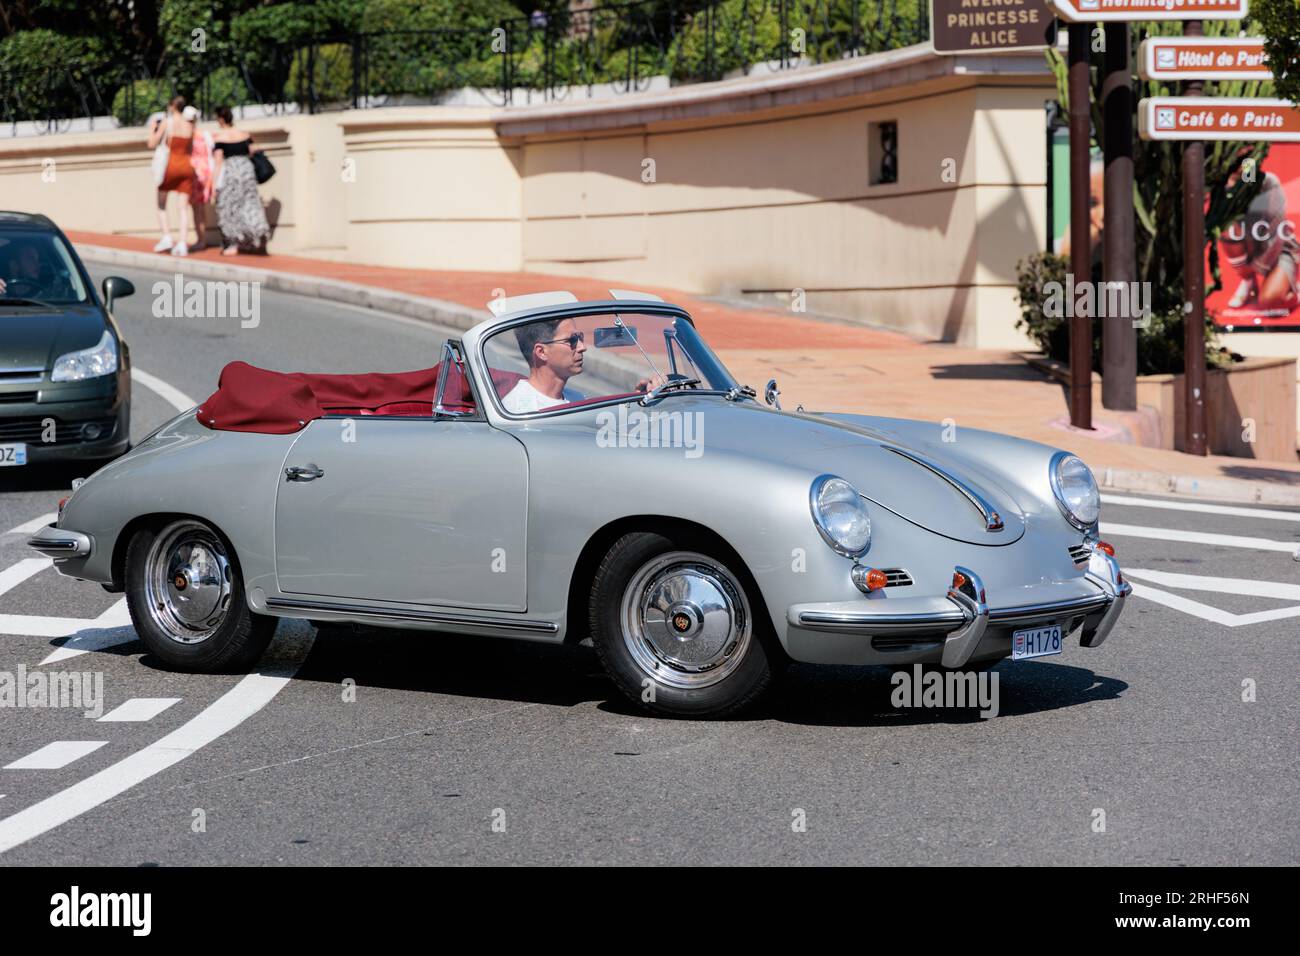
x=1035, y=642
x=13, y=454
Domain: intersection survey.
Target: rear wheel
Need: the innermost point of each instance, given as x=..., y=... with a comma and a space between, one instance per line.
x=186, y=598
x=675, y=629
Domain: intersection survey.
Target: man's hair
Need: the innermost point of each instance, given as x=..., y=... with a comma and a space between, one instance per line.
x=534, y=332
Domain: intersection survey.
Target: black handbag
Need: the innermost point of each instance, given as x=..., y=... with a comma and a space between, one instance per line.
x=262, y=168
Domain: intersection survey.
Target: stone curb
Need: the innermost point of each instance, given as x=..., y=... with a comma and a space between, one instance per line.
x=434, y=311
x=454, y=315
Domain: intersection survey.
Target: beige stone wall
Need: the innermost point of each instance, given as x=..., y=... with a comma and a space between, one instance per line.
x=764, y=206
x=761, y=186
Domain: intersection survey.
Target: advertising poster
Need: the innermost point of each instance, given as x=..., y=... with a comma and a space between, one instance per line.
x=1259, y=254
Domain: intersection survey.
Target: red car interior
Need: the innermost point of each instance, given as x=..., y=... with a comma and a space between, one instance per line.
x=251, y=399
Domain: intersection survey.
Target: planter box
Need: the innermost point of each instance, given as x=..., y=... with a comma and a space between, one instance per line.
x=1261, y=391
x=1258, y=390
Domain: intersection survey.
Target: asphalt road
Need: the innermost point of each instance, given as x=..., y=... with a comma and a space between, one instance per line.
x=398, y=747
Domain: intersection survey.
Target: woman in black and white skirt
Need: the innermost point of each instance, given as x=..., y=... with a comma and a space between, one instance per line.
x=239, y=207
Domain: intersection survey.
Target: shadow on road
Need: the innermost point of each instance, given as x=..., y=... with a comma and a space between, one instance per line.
x=566, y=676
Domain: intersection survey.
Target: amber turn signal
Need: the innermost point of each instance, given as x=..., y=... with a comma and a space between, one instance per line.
x=1107, y=548
x=958, y=579
x=876, y=579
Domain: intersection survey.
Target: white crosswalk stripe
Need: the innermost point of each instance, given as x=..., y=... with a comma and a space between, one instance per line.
x=36, y=524
x=139, y=709
x=1233, y=510
x=56, y=755
x=1195, y=537
x=16, y=574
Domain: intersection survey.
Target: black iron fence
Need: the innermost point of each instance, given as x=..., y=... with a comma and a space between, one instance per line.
x=608, y=49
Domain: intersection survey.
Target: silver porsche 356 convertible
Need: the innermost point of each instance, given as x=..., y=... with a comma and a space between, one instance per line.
x=576, y=470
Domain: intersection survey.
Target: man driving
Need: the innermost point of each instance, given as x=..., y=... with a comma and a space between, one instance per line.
x=554, y=351
x=24, y=268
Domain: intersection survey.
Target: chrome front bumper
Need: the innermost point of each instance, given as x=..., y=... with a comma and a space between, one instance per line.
x=963, y=622
x=61, y=543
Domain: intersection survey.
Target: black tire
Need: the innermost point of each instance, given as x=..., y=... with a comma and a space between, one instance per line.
x=231, y=638
x=647, y=677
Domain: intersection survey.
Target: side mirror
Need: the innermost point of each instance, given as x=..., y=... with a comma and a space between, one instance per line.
x=772, y=394
x=115, y=287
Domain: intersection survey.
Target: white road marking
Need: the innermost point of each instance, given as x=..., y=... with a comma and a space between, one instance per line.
x=168, y=393
x=88, y=634
x=1196, y=537
x=111, y=628
x=16, y=574
x=1212, y=614
x=1209, y=582
x=244, y=700
x=139, y=709
x=1292, y=516
x=36, y=524
x=56, y=755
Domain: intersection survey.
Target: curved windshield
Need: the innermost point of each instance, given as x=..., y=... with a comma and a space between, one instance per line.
x=558, y=364
x=38, y=266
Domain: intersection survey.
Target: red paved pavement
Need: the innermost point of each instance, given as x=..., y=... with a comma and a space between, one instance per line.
x=725, y=327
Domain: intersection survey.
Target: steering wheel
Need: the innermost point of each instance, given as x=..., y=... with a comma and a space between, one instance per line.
x=21, y=288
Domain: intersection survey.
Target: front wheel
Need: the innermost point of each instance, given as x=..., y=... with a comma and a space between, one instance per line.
x=186, y=598
x=675, y=629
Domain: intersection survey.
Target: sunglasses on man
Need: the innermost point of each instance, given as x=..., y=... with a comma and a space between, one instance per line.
x=571, y=340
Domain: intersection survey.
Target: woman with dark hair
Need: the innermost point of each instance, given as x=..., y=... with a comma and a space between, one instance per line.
x=178, y=134
x=239, y=207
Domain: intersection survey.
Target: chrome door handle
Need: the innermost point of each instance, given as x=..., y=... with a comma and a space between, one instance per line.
x=299, y=473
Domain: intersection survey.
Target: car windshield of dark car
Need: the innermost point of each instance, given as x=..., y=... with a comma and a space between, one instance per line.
x=38, y=267
x=558, y=364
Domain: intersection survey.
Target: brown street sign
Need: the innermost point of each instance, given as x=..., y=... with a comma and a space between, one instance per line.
x=1208, y=58
x=987, y=26
x=1102, y=11
x=1212, y=117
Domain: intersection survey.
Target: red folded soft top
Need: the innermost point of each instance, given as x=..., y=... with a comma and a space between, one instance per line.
x=251, y=399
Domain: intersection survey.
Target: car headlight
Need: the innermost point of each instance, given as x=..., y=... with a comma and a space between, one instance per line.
x=840, y=514
x=93, y=362
x=1075, y=490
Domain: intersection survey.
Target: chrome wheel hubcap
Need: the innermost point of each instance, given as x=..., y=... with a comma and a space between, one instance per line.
x=188, y=582
x=686, y=620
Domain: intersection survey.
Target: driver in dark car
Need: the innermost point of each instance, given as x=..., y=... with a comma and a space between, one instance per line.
x=25, y=272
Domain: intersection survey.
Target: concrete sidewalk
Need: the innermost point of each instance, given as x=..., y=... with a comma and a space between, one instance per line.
x=823, y=365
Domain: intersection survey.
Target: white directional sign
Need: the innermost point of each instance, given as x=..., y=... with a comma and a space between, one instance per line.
x=1100, y=11
x=1212, y=117
x=1208, y=58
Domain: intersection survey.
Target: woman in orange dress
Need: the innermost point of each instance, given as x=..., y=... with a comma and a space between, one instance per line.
x=178, y=133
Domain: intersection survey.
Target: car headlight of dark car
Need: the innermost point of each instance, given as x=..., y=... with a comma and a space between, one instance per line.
x=94, y=362
x=1075, y=490
x=841, y=515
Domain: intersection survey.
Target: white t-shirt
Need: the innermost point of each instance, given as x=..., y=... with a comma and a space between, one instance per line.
x=523, y=398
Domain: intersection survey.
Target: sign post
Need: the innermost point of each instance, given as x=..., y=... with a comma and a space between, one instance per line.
x=1119, y=263
x=1194, y=440
x=1080, y=224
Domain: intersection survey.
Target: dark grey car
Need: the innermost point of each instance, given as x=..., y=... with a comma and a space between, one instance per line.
x=65, y=370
